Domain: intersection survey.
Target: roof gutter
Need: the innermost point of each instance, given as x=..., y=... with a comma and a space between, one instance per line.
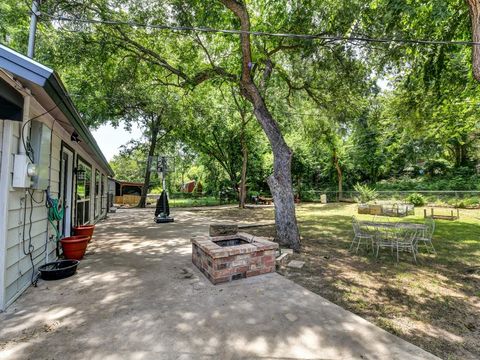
x=32, y=71
x=58, y=93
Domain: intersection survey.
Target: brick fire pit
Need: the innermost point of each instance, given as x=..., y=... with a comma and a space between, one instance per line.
x=231, y=257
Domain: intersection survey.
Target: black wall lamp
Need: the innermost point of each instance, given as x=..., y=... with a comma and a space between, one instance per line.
x=75, y=137
x=80, y=173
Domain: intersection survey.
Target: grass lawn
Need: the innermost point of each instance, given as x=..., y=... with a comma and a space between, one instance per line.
x=435, y=304
x=189, y=202
x=175, y=202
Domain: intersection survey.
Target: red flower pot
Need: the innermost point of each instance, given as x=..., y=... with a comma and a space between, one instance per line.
x=74, y=247
x=84, y=230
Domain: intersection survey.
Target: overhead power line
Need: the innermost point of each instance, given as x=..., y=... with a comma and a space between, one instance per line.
x=331, y=38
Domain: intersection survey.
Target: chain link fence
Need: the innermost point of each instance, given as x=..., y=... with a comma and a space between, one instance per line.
x=453, y=198
x=180, y=199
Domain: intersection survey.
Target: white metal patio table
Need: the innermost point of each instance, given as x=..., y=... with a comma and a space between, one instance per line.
x=391, y=225
x=385, y=236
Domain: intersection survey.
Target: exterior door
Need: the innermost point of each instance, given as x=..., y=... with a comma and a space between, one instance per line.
x=66, y=174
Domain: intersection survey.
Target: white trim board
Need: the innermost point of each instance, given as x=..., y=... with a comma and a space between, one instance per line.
x=4, y=192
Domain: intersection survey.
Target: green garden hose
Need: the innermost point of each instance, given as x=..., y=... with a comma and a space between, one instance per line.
x=55, y=213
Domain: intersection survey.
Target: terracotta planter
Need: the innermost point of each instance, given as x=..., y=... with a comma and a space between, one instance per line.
x=84, y=230
x=74, y=247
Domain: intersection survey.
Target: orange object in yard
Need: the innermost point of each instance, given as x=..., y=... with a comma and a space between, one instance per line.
x=74, y=247
x=84, y=230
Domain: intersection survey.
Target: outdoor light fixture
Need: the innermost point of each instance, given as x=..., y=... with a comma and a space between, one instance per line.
x=75, y=137
x=80, y=174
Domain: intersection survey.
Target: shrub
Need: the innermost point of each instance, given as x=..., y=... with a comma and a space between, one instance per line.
x=416, y=199
x=365, y=193
x=457, y=179
x=471, y=202
x=461, y=204
x=308, y=195
x=464, y=203
x=437, y=167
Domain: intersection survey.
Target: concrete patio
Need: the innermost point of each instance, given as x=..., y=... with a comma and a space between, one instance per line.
x=131, y=300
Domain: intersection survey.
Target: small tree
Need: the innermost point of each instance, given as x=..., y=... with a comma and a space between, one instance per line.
x=365, y=193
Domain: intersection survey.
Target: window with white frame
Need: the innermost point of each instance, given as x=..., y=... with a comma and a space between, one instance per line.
x=97, y=194
x=83, y=191
x=104, y=199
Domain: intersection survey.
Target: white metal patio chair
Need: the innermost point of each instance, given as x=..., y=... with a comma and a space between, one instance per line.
x=385, y=239
x=360, y=235
x=425, y=236
x=406, y=240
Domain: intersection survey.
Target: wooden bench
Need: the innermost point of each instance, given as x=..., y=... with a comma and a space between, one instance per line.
x=442, y=216
x=263, y=200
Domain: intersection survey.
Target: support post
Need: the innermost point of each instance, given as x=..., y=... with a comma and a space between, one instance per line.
x=164, y=188
x=33, y=29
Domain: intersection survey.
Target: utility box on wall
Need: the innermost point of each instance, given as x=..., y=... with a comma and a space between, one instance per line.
x=23, y=171
x=40, y=138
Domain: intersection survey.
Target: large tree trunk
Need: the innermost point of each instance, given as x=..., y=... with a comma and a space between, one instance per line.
x=474, y=6
x=280, y=182
x=243, y=180
x=243, y=176
x=339, y=176
x=151, y=151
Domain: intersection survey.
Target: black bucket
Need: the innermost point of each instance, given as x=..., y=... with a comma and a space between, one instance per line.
x=58, y=269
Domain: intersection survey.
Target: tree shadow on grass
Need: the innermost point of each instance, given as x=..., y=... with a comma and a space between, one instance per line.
x=131, y=299
x=431, y=304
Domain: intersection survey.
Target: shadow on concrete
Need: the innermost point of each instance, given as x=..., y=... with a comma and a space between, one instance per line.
x=131, y=300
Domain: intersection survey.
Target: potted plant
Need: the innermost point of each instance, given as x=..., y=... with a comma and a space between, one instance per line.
x=365, y=196
x=84, y=230
x=74, y=247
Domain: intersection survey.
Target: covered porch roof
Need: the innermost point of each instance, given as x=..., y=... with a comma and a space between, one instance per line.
x=49, y=91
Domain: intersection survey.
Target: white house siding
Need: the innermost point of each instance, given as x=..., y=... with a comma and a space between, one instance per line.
x=15, y=266
x=18, y=265
x=4, y=178
x=1, y=137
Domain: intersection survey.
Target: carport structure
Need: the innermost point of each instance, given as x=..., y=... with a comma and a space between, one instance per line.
x=127, y=192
